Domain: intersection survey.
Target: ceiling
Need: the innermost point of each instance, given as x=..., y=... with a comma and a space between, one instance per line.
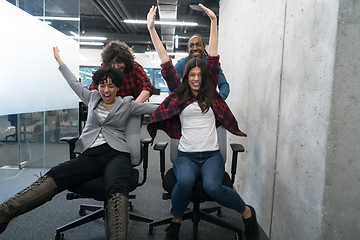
x=104, y=18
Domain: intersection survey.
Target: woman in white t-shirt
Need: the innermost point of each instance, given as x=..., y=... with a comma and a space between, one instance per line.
x=191, y=113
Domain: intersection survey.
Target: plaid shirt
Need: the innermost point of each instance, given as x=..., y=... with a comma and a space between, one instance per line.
x=166, y=116
x=136, y=81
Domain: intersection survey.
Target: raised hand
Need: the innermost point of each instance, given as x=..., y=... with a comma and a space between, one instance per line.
x=213, y=38
x=56, y=51
x=159, y=47
x=151, y=17
x=208, y=12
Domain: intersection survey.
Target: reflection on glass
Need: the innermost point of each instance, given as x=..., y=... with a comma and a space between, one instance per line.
x=65, y=19
x=159, y=82
x=35, y=119
x=86, y=74
x=23, y=137
x=156, y=79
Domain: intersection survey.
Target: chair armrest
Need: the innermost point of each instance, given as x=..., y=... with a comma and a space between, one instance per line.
x=71, y=141
x=145, y=142
x=161, y=146
x=236, y=148
x=145, y=157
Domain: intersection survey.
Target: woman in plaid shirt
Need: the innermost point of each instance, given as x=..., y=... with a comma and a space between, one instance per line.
x=191, y=113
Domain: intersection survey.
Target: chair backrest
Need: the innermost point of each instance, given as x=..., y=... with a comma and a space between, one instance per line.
x=222, y=140
x=133, y=136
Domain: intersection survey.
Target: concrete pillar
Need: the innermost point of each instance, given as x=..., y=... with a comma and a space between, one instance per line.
x=294, y=82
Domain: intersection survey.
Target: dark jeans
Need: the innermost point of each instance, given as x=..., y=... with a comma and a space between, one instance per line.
x=102, y=160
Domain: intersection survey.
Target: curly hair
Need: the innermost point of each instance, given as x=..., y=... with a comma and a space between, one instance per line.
x=117, y=76
x=205, y=92
x=121, y=51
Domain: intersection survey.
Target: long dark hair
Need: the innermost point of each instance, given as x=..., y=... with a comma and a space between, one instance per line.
x=205, y=93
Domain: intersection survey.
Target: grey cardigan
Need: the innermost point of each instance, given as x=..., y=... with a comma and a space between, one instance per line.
x=114, y=125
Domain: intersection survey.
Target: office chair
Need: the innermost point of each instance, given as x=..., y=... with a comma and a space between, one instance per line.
x=198, y=196
x=13, y=119
x=95, y=188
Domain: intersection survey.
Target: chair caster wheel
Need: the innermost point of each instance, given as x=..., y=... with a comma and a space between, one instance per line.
x=59, y=236
x=82, y=212
x=151, y=231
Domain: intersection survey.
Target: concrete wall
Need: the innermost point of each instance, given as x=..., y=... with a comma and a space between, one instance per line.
x=341, y=218
x=292, y=68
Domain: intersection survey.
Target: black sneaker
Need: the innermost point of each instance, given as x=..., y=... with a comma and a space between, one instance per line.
x=172, y=231
x=252, y=231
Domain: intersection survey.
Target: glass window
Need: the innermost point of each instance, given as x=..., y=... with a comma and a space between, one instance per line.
x=156, y=79
x=31, y=126
x=149, y=72
x=85, y=74
x=159, y=81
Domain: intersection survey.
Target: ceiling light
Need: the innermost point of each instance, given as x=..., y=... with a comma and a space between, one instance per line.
x=86, y=73
x=58, y=18
x=162, y=22
x=87, y=37
x=92, y=43
x=176, y=41
x=171, y=53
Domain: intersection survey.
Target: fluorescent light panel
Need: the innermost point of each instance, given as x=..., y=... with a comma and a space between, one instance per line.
x=86, y=73
x=87, y=37
x=58, y=18
x=162, y=22
x=176, y=41
x=169, y=53
x=92, y=43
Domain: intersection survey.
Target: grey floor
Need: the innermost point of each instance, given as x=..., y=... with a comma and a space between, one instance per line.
x=42, y=222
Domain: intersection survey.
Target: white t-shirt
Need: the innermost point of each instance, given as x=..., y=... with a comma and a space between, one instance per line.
x=103, y=113
x=198, y=130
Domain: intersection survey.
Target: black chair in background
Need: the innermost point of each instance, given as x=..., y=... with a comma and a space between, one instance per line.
x=157, y=91
x=95, y=188
x=198, y=196
x=83, y=111
x=13, y=119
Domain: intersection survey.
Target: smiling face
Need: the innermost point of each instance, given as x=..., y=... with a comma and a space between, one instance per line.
x=196, y=47
x=108, y=91
x=194, y=79
x=116, y=63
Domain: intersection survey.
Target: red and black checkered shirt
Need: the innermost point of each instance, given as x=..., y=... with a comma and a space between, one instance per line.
x=166, y=116
x=136, y=81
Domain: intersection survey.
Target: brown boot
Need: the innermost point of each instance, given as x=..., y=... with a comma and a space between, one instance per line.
x=118, y=216
x=38, y=193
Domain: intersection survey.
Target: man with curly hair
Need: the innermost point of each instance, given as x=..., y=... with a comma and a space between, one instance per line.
x=119, y=55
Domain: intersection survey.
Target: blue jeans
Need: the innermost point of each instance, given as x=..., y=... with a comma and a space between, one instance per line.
x=188, y=167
